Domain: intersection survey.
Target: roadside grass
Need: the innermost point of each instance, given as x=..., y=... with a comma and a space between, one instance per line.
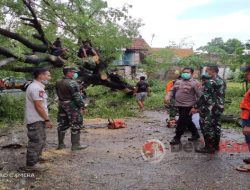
x=234, y=95
x=155, y=100
x=105, y=103
x=11, y=109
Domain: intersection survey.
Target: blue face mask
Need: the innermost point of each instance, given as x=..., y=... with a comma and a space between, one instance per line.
x=75, y=76
x=186, y=76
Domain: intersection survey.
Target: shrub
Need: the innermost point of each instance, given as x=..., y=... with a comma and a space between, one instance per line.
x=12, y=108
x=105, y=103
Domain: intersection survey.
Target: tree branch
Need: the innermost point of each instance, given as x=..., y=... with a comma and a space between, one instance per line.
x=7, y=61
x=36, y=23
x=27, y=19
x=25, y=69
x=43, y=57
x=6, y=52
x=32, y=59
x=24, y=41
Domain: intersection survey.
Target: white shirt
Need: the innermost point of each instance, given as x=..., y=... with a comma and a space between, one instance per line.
x=35, y=91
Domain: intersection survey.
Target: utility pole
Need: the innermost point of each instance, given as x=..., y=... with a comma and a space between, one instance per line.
x=152, y=37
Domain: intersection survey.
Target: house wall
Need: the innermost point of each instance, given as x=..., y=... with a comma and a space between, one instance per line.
x=131, y=58
x=131, y=72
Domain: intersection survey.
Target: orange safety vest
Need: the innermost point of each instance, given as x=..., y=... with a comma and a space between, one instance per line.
x=245, y=106
x=169, y=86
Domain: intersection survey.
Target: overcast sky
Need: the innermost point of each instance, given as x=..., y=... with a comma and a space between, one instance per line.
x=197, y=20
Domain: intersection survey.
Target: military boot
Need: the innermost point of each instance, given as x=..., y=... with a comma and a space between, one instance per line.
x=75, y=140
x=205, y=149
x=208, y=148
x=217, y=142
x=61, y=135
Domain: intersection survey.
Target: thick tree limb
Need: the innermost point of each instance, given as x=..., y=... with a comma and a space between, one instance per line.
x=32, y=59
x=25, y=69
x=6, y=52
x=36, y=23
x=114, y=81
x=43, y=57
x=7, y=61
x=24, y=41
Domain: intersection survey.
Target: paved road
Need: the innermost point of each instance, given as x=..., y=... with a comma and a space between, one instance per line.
x=113, y=161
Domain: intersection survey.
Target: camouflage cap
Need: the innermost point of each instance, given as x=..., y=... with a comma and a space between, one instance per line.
x=69, y=69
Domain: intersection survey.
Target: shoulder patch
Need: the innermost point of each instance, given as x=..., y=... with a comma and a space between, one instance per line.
x=41, y=94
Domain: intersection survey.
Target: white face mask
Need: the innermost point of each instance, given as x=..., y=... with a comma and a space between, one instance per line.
x=45, y=82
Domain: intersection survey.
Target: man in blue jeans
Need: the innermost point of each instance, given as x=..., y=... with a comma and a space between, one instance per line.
x=245, y=116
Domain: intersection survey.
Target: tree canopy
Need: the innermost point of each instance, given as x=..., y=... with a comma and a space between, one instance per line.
x=29, y=27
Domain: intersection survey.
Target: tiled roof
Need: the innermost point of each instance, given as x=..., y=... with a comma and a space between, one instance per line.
x=177, y=51
x=139, y=44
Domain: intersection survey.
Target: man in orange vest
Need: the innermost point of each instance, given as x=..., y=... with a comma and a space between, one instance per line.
x=245, y=117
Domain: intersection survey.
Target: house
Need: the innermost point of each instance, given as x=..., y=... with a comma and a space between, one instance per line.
x=178, y=52
x=135, y=54
x=131, y=57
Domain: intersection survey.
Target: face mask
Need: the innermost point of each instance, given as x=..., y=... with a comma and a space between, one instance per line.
x=206, y=75
x=186, y=76
x=45, y=82
x=75, y=76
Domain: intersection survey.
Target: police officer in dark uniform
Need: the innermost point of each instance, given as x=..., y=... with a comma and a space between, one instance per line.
x=70, y=108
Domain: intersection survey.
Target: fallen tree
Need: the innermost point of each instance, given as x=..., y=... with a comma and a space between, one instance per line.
x=29, y=28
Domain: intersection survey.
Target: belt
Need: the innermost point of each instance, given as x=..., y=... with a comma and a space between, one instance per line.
x=66, y=101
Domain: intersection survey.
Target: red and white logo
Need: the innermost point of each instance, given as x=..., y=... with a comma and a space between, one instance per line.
x=153, y=150
x=41, y=94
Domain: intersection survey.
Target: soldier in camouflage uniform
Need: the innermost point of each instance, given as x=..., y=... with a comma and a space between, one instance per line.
x=216, y=92
x=220, y=89
x=70, y=109
x=205, y=105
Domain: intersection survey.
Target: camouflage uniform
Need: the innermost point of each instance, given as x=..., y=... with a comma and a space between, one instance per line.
x=69, y=111
x=69, y=114
x=206, y=104
x=220, y=88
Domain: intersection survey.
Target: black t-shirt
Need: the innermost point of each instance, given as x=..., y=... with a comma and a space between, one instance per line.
x=142, y=86
x=57, y=44
x=88, y=50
